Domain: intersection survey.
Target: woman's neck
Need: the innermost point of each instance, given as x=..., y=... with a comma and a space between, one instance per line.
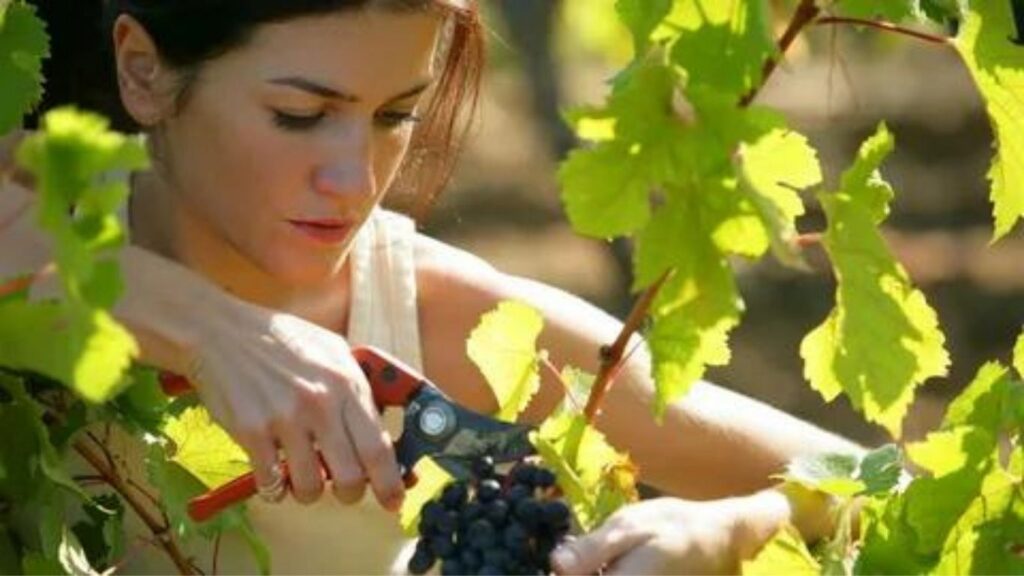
x=161, y=224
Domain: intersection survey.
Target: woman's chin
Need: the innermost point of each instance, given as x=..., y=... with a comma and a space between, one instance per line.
x=308, y=274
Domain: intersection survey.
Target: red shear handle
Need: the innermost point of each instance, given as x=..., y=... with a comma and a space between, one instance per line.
x=392, y=382
x=207, y=505
x=203, y=507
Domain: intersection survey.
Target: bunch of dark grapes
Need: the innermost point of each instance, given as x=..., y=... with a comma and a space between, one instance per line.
x=493, y=524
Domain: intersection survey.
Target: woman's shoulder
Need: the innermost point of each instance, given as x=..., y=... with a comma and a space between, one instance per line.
x=447, y=269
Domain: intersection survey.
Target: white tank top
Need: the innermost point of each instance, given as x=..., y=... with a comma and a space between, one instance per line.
x=327, y=537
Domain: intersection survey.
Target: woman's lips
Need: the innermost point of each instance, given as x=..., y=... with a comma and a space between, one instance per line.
x=325, y=233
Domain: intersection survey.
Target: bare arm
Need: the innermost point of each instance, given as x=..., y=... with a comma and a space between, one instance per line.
x=716, y=448
x=713, y=443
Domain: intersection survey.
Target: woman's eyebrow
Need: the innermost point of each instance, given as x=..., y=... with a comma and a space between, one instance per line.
x=323, y=91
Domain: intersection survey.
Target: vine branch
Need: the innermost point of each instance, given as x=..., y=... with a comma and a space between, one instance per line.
x=805, y=13
x=883, y=25
x=159, y=529
x=612, y=356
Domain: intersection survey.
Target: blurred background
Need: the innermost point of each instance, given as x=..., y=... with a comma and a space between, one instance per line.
x=835, y=87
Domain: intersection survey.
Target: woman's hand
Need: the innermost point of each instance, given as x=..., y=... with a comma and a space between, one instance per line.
x=675, y=536
x=663, y=536
x=277, y=381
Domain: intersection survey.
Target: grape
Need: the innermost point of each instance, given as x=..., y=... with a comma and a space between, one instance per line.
x=493, y=524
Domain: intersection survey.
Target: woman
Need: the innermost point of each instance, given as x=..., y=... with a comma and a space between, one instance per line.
x=259, y=254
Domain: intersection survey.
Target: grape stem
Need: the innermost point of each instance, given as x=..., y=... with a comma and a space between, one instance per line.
x=883, y=25
x=613, y=356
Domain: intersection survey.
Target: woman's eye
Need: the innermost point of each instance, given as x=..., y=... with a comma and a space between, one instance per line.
x=296, y=121
x=396, y=119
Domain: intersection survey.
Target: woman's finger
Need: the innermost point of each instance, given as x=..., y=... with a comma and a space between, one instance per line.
x=587, y=554
x=271, y=484
x=374, y=450
x=304, y=470
x=348, y=480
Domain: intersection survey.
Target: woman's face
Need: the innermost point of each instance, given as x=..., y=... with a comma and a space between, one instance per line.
x=307, y=122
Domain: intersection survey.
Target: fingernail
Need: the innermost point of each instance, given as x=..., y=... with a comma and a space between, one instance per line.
x=395, y=502
x=564, y=559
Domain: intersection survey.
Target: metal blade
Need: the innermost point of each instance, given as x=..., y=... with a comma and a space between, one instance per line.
x=455, y=436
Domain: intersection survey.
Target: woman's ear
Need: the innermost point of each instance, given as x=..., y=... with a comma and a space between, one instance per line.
x=142, y=78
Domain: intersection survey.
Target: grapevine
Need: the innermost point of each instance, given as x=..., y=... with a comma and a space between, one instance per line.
x=681, y=153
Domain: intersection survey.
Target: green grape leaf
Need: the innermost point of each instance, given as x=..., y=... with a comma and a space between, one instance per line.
x=430, y=482
x=832, y=473
x=934, y=504
x=606, y=188
x=889, y=544
x=989, y=537
x=882, y=339
x=80, y=167
x=944, y=452
x=29, y=462
x=642, y=17
x=1018, y=356
x=101, y=532
x=82, y=347
x=177, y=486
x=881, y=469
x=851, y=474
x=771, y=170
x=23, y=45
x=696, y=307
x=143, y=406
x=891, y=10
x=596, y=479
x=997, y=66
x=578, y=385
x=722, y=45
x=986, y=402
x=9, y=557
x=204, y=449
x=943, y=11
x=20, y=473
x=785, y=553
x=504, y=347
x=35, y=564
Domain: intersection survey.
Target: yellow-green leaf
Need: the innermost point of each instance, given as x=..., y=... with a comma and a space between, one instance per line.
x=786, y=553
x=882, y=339
x=596, y=479
x=204, y=449
x=431, y=480
x=997, y=66
x=771, y=170
x=504, y=348
x=943, y=452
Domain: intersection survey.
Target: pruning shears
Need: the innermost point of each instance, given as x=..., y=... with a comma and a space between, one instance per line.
x=433, y=425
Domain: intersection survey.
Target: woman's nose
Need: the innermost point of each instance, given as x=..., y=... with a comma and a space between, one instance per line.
x=348, y=178
x=348, y=168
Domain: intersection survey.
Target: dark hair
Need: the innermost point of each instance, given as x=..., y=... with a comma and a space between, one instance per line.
x=188, y=33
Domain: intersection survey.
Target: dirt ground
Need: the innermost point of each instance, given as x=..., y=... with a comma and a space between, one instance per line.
x=504, y=206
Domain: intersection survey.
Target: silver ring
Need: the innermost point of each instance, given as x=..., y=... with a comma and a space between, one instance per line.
x=274, y=491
